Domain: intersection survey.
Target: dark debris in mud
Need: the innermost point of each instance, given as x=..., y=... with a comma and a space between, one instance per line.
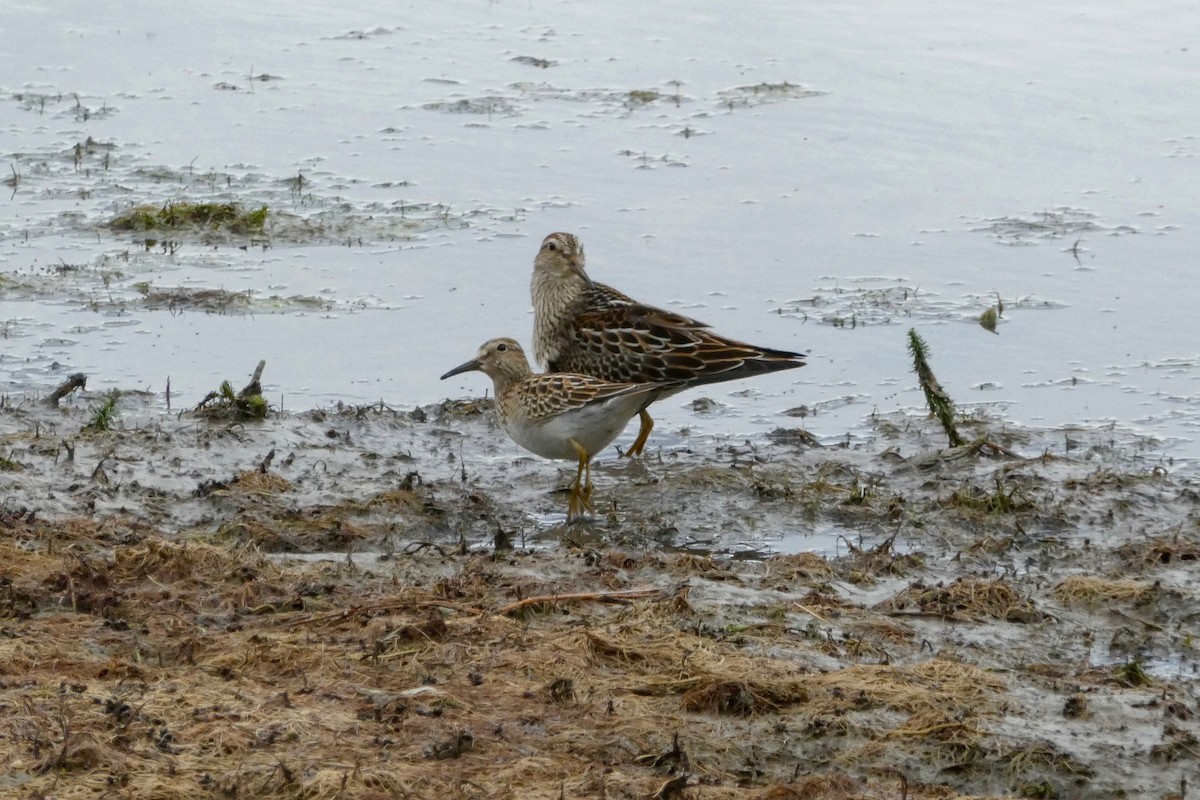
x=533, y=61
x=223, y=405
x=233, y=597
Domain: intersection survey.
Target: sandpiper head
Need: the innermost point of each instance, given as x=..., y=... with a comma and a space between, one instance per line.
x=561, y=256
x=501, y=359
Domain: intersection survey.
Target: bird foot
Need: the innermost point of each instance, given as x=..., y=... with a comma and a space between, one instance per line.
x=579, y=503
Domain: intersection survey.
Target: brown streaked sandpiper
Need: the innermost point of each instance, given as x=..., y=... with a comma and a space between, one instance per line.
x=559, y=415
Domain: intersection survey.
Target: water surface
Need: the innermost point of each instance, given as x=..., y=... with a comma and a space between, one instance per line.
x=817, y=177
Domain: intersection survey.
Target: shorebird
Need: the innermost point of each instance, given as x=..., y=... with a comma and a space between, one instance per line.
x=587, y=327
x=558, y=415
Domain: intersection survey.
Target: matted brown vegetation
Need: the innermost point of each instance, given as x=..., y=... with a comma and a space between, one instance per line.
x=965, y=599
x=143, y=667
x=1092, y=589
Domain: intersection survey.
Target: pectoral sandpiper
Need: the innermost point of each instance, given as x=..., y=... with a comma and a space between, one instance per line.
x=590, y=328
x=559, y=415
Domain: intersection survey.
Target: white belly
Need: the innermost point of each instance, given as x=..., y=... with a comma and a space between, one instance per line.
x=595, y=427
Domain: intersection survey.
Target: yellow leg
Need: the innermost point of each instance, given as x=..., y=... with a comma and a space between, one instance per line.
x=587, y=485
x=581, y=489
x=640, y=442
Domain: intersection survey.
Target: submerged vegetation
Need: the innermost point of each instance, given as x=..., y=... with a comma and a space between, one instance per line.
x=641, y=97
x=765, y=92
x=231, y=217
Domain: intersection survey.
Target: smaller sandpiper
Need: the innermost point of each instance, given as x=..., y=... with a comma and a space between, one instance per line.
x=559, y=415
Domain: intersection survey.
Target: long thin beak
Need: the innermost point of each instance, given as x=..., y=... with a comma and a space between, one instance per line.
x=473, y=364
x=578, y=269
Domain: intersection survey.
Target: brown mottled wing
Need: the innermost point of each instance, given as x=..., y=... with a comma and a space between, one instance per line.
x=633, y=342
x=601, y=296
x=545, y=396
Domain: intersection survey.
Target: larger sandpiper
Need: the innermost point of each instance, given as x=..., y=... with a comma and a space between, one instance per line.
x=581, y=326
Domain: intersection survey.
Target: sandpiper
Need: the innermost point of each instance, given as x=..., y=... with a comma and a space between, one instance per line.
x=559, y=415
x=590, y=328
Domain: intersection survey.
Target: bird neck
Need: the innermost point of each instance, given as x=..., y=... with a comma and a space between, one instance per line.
x=556, y=300
x=509, y=374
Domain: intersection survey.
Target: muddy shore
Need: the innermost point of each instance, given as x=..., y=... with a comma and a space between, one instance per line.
x=376, y=602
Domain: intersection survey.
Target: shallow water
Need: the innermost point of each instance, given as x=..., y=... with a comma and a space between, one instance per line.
x=817, y=178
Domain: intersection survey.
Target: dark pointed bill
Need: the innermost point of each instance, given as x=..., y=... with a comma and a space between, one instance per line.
x=577, y=268
x=473, y=364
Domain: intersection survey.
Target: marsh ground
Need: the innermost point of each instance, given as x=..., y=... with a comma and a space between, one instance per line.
x=373, y=602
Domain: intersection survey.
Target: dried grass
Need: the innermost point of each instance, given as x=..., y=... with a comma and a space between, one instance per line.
x=132, y=665
x=966, y=599
x=1090, y=590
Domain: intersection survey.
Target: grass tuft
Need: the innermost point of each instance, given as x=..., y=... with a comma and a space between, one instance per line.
x=104, y=414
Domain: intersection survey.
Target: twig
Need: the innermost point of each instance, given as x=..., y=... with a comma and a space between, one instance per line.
x=811, y=613
x=393, y=605
x=1139, y=620
x=74, y=381
x=975, y=447
x=898, y=774
x=254, y=387
x=940, y=727
x=602, y=597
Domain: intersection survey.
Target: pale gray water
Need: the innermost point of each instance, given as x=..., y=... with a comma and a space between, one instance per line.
x=952, y=149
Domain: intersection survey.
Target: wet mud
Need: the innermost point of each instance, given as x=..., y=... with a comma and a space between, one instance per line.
x=379, y=602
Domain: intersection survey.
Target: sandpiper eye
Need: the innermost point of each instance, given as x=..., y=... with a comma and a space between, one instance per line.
x=551, y=246
x=500, y=348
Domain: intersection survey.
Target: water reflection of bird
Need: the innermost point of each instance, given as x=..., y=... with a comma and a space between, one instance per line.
x=559, y=415
x=590, y=328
